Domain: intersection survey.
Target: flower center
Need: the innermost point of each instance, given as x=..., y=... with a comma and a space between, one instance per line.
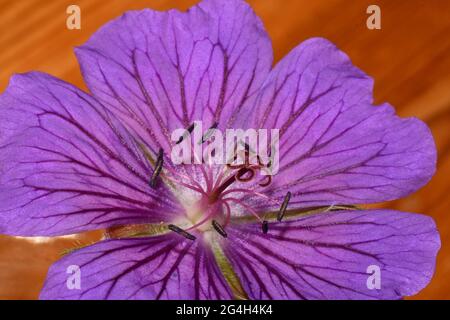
x=213, y=210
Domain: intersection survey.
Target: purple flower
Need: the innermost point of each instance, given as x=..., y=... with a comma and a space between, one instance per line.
x=72, y=161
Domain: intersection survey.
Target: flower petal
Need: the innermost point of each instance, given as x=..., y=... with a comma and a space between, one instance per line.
x=162, y=267
x=335, y=146
x=160, y=71
x=67, y=165
x=331, y=255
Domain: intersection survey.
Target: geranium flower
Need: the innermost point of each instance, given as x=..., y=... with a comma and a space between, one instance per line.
x=72, y=161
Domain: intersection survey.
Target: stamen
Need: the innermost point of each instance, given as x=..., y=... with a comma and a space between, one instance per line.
x=247, y=207
x=252, y=192
x=208, y=133
x=265, y=227
x=246, y=167
x=207, y=215
x=186, y=133
x=180, y=231
x=158, y=168
x=220, y=230
x=284, y=205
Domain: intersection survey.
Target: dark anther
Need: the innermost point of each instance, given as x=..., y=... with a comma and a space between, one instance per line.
x=158, y=168
x=188, y=132
x=284, y=205
x=265, y=227
x=220, y=230
x=208, y=133
x=180, y=231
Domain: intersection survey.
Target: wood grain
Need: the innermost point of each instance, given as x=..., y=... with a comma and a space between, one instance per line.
x=409, y=59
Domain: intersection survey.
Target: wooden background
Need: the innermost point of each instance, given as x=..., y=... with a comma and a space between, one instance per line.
x=409, y=59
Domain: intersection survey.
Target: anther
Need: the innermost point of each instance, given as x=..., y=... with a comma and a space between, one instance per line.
x=180, y=231
x=265, y=227
x=284, y=205
x=186, y=133
x=220, y=230
x=158, y=168
x=209, y=133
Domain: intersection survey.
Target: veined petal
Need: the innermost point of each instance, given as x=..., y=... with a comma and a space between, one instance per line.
x=161, y=267
x=335, y=255
x=160, y=71
x=67, y=165
x=335, y=146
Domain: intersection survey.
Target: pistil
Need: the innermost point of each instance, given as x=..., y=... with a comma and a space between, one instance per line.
x=238, y=176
